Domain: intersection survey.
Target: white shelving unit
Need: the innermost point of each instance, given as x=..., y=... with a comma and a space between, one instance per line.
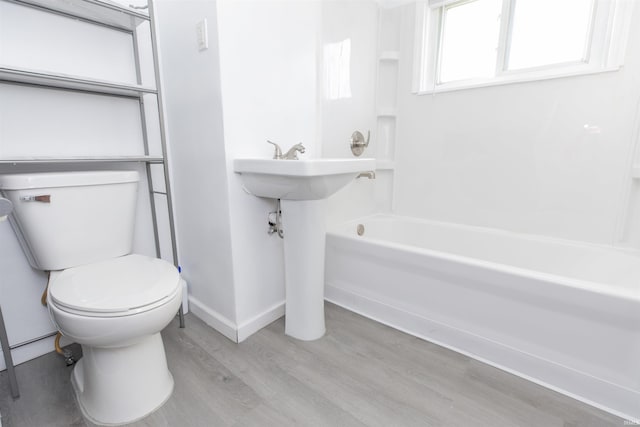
x=101, y=12
x=88, y=159
x=108, y=17
x=62, y=81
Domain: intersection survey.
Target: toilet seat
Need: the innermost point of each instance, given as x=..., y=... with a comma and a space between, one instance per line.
x=115, y=287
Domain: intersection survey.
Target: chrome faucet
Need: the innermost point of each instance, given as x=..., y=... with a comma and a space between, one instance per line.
x=291, y=154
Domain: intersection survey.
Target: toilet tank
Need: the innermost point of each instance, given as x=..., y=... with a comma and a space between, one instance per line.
x=66, y=219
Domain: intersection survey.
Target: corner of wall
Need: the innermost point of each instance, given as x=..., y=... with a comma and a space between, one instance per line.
x=198, y=159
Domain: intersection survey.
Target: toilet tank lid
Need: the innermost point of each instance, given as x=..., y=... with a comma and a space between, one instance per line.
x=24, y=181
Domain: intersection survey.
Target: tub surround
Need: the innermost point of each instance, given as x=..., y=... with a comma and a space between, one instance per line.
x=548, y=157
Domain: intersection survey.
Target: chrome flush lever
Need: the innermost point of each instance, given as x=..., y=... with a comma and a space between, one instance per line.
x=45, y=198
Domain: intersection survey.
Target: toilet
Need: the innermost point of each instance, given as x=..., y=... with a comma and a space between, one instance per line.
x=79, y=226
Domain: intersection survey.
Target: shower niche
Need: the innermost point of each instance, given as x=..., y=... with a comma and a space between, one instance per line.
x=387, y=86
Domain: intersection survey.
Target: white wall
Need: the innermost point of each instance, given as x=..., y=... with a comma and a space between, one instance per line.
x=64, y=45
x=357, y=22
x=518, y=157
x=273, y=88
x=193, y=109
x=266, y=85
x=270, y=64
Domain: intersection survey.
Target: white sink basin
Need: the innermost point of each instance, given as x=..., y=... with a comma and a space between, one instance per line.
x=311, y=179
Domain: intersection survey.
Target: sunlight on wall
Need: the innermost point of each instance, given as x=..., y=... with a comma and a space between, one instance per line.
x=337, y=69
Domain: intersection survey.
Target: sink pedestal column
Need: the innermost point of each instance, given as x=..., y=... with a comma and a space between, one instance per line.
x=304, y=244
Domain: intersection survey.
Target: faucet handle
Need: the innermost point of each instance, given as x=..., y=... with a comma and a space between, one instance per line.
x=278, y=153
x=358, y=143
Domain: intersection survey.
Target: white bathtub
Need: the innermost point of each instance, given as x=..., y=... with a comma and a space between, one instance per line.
x=563, y=314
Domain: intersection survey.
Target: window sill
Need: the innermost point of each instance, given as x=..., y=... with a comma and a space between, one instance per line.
x=516, y=77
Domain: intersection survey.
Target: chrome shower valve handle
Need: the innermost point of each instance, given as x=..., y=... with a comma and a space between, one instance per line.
x=358, y=143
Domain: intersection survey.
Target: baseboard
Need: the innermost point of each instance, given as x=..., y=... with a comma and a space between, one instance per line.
x=593, y=391
x=253, y=325
x=213, y=319
x=210, y=317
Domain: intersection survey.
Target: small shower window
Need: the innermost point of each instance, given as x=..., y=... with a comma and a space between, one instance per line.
x=468, y=40
x=470, y=43
x=538, y=38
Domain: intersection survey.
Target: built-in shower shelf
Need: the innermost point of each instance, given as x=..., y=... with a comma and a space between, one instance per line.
x=103, y=12
x=386, y=112
x=382, y=165
x=635, y=172
x=64, y=81
x=81, y=159
x=389, y=55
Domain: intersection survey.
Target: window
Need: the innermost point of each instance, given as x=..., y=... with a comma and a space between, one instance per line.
x=540, y=38
x=468, y=43
x=469, y=38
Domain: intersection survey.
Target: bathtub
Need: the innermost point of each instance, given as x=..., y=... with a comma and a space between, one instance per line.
x=563, y=314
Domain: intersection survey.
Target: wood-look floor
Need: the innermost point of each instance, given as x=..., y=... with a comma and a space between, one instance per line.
x=360, y=374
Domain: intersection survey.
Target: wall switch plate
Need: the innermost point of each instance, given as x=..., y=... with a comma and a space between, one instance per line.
x=202, y=35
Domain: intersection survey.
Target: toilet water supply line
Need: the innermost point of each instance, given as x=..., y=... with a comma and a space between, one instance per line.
x=67, y=354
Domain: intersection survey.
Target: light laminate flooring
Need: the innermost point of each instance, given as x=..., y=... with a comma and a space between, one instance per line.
x=361, y=373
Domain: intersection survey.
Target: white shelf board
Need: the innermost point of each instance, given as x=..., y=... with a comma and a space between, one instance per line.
x=100, y=11
x=386, y=112
x=385, y=165
x=65, y=81
x=80, y=159
x=389, y=55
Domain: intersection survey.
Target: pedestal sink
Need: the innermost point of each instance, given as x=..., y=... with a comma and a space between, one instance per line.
x=303, y=187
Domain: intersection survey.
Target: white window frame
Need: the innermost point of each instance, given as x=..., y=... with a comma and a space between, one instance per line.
x=604, y=51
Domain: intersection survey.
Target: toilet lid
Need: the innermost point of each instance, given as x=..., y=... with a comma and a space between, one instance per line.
x=114, y=285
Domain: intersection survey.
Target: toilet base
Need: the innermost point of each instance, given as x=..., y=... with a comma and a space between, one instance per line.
x=120, y=385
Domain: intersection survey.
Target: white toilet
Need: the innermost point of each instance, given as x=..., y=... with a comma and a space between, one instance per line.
x=79, y=226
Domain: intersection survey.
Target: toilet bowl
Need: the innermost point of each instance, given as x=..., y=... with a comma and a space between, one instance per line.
x=79, y=226
x=116, y=309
